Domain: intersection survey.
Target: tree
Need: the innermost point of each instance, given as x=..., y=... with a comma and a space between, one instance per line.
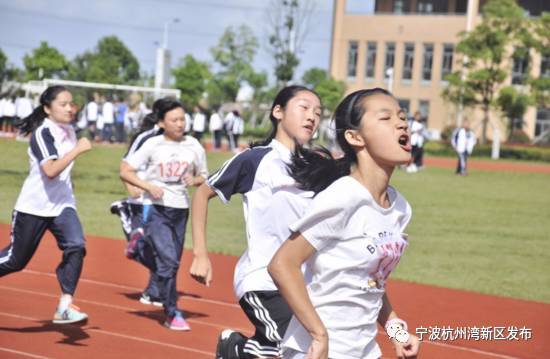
x=330, y=90
x=44, y=62
x=513, y=104
x=234, y=55
x=540, y=87
x=191, y=77
x=288, y=24
x=111, y=62
x=485, y=48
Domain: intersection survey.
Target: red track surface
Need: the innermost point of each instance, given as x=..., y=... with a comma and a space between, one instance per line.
x=119, y=326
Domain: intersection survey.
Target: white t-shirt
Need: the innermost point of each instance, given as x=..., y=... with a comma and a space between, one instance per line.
x=270, y=201
x=40, y=195
x=238, y=125
x=417, y=128
x=9, y=108
x=358, y=244
x=23, y=107
x=215, y=122
x=463, y=140
x=199, y=122
x=108, y=112
x=188, y=122
x=92, y=111
x=166, y=162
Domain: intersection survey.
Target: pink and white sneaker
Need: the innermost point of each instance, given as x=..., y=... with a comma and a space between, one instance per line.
x=177, y=322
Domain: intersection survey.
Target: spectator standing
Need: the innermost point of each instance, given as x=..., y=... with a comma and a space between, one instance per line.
x=199, y=123
x=216, y=129
x=463, y=141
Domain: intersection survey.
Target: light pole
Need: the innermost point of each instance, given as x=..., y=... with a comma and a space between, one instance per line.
x=162, y=71
x=165, y=34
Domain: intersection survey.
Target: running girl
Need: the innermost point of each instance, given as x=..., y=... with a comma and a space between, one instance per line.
x=257, y=174
x=350, y=238
x=46, y=201
x=173, y=162
x=130, y=210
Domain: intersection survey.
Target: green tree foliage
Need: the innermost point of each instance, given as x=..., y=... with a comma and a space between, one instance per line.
x=3, y=67
x=540, y=86
x=191, y=78
x=484, y=50
x=330, y=90
x=233, y=55
x=289, y=20
x=110, y=62
x=44, y=62
x=513, y=104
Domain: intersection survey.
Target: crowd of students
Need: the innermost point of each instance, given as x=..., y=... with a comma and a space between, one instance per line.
x=336, y=218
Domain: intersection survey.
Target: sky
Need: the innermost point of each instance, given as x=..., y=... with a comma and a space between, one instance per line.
x=74, y=26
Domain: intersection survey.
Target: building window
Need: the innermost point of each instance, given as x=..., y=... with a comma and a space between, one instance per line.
x=427, y=62
x=405, y=105
x=545, y=66
x=542, y=124
x=371, y=60
x=399, y=6
x=408, y=61
x=424, y=7
x=520, y=67
x=424, y=109
x=447, y=60
x=390, y=58
x=352, y=58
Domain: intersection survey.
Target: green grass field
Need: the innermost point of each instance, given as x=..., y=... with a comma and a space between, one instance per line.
x=488, y=232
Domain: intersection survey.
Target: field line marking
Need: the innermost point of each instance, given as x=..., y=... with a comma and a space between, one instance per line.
x=113, y=306
x=106, y=332
x=30, y=355
x=120, y=286
x=478, y=351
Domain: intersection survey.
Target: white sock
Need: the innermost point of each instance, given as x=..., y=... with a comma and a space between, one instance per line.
x=64, y=302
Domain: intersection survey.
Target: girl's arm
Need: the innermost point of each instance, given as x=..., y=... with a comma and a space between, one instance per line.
x=201, y=268
x=191, y=180
x=410, y=348
x=128, y=174
x=53, y=167
x=285, y=269
x=133, y=191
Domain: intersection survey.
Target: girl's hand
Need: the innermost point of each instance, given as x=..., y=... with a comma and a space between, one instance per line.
x=83, y=145
x=188, y=179
x=134, y=192
x=318, y=348
x=201, y=270
x=409, y=349
x=155, y=192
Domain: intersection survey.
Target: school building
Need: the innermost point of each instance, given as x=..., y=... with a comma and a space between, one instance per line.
x=408, y=47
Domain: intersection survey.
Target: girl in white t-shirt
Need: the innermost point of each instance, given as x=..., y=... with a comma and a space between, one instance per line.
x=350, y=238
x=173, y=162
x=259, y=174
x=46, y=201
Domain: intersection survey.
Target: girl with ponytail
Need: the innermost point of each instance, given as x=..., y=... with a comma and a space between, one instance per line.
x=130, y=210
x=271, y=202
x=350, y=237
x=46, y=201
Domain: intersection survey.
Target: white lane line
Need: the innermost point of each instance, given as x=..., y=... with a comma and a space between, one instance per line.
x=30, y=355
x=113, y=306
x=105, y=332
x=478, y=351
x=113, y=285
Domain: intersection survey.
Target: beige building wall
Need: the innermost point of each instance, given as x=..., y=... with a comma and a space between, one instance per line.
x=419, y=29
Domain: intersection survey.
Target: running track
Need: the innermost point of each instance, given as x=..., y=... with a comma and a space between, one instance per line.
x=119, y=326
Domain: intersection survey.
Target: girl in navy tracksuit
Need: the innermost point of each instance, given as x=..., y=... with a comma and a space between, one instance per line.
x=173, y=162
x=46, y=201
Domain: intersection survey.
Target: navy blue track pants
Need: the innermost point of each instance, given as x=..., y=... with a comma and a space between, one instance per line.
x=26, y=233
